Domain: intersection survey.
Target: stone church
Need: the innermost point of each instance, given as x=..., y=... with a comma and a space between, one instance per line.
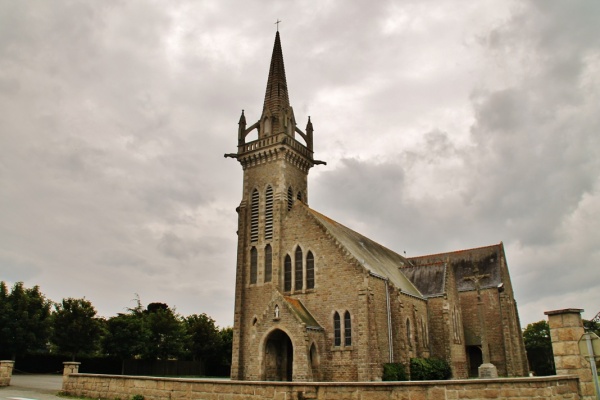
x=317, y=301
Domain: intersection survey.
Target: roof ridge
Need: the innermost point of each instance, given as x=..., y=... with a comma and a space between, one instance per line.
x=457, y=251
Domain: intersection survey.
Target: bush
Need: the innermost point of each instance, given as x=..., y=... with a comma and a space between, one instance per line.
x=137, y=397
x=429, y=369
x=394, y=372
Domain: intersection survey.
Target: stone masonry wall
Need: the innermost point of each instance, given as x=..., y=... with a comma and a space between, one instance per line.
x=123, y=387
x=6, y=368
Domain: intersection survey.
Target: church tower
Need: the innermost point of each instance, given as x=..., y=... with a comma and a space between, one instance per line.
x=276, y=167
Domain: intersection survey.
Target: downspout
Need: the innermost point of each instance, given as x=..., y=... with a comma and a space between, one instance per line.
x=389, y=320
x=389, y=312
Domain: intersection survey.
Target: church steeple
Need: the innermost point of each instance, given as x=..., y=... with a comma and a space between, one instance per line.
x=276, y=96
x=277, y=115
x=277, y=123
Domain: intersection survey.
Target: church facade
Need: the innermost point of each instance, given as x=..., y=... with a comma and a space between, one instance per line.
x=317, y=301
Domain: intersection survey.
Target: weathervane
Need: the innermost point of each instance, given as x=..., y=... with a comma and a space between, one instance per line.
x=277, y=23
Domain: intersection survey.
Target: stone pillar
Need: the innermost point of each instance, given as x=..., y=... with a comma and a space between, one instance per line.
x=70, y=367
x=566, y=328
x=6, y=368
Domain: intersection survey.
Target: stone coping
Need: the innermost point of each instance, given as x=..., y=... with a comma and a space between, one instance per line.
x=475, y=381
x=565, y=311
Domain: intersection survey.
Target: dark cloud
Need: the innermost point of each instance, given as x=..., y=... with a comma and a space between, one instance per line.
x=442, y=130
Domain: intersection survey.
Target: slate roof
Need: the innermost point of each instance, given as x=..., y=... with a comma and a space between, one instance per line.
x=486, y=259
x=429, y=279
x=374, y=257
x=302, y=313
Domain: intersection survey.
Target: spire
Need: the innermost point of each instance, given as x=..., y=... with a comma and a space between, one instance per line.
x=277, y=103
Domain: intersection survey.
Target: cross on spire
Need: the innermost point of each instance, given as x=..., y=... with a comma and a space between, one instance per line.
x=277, y=23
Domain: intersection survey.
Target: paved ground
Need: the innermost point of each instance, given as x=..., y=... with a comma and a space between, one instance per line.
x=32, y=387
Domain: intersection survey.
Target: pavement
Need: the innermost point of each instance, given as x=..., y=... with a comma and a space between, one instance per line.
x=32, y=387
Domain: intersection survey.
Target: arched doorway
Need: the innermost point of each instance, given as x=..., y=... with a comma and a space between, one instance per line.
x=279, y=357
x=475, y=360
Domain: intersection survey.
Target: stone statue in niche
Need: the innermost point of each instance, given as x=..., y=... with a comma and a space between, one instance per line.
x=276, y=311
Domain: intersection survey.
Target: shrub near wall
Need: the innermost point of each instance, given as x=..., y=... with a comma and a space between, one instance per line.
x=394, y=372
x=429, y=369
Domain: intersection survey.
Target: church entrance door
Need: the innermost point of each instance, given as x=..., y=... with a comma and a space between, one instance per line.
x=279, y=357
x=475, y=360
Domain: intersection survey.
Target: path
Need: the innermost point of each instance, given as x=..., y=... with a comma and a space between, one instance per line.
x=32, y=387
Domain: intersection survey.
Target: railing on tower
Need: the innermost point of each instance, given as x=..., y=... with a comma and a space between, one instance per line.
x=273, y=140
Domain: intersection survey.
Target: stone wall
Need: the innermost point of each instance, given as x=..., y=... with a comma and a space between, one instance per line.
x=122, y=387
x=6, y=368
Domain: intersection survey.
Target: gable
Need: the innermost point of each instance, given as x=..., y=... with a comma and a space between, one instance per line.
x=488, y=260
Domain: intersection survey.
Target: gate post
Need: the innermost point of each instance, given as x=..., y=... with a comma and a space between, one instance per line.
x=6, y=368
x=566, y=328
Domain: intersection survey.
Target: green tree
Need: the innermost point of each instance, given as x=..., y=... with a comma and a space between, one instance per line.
x=226, y=335
x=24, y=320
x=539, y=348
x=125, y=337
x=204, y=340
x=166, y=333
x=76, y=329
x=592, y=326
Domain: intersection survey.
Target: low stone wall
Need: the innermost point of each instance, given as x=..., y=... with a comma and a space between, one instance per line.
x=124, y=387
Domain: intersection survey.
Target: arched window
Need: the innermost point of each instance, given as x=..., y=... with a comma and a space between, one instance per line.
x=298, y=269
x=254, y=217
x=253, y=265
x=269, y=213
x=337, y=330
x=408, y=334
x=268, y=263
x=299, y=196
x=290, y=198
x=287, y=274
x=310, y=270
x=347, y=329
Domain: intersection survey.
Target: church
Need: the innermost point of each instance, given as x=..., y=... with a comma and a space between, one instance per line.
x=317, y=301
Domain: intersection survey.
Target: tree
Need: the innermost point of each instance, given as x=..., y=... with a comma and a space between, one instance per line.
x=592, y=326
x=204, y=340
x=76, y=329
x=125, y=337
x=24, y=319
x=166, y=333
x=539, y=348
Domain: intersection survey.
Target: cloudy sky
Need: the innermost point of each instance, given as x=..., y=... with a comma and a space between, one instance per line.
x=445, y=125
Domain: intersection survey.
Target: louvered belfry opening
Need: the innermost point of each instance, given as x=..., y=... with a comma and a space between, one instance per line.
x=254, y=217
x=290, y=198
x=269, y=213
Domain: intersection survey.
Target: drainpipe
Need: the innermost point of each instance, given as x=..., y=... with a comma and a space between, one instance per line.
x=389, y=312
x=389, y=319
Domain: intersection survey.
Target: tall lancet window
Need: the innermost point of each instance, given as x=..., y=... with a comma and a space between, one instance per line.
x=268, y=263
x=269, y=213
x=310, y=270
x=337, y=330
x=287, y=274
x=298, y=269
x=254, y=217
x=347, y=329
x=253, y=265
